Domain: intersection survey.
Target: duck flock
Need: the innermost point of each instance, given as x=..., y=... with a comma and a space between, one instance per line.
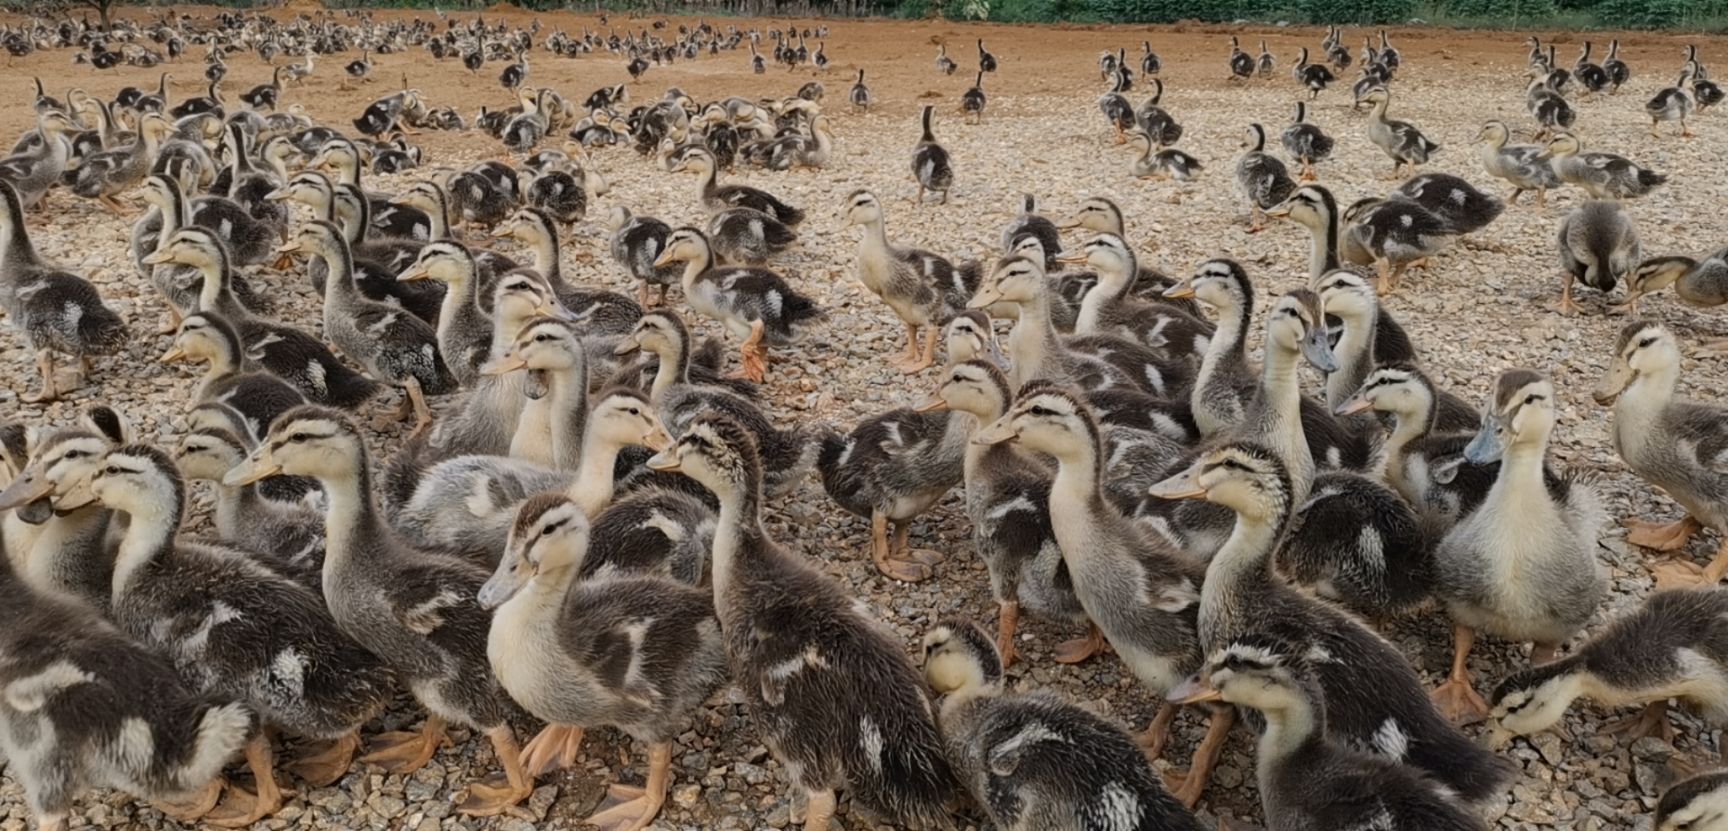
x=563, y=525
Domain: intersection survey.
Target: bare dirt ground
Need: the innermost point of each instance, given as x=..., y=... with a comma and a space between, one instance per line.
x=1483, y=307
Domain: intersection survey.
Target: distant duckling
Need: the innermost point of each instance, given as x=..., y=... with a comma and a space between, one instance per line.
x=930, y=164
x=1036, y=760
x=1162, y=162
x=1598, y=245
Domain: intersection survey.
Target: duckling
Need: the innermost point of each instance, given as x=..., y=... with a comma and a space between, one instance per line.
x=1399, y=139
x=1522, y=565
x=1523, y=165
x=944, y=64
x=1149, y=619
x=754, y=304
x=1314, y=76
x=746, y=236
x=1110, y=308
x=249, y=241
x=1241, y=63
x=1306, y=143
x=464, y=329
x=1463, y=208
x=718, y=198
x=1162, y=163
x=1035, y=349
x=859, y=95
x=394, y=346
x=1601, y=175
x=235, y=628
x=552, y=647
x=33, y=173
x=1241, y=595
x=604, y=316
x=250, y=187
x=931, y=168
x=1395, y=234
x=1224, y=382
x=1008, y=502
x=1116, y=108
x=477, y=200
x=1664, y=649
x=1598, y=245
x=1266, y=63
x=55, y=310
x=637, y=241
x=1671, y=443
x=1618, y=74
x=103, y=176
x=1548, y=105
x=63, y=552
x=290, y=535
x=1260, y=178
x=922, y=288
x=83, y=697
x=1359, y=350
x=1358, y=543
x=1698, y=282
x=1308, y=779
x=1044, y=783
x=1673, y=103
x=258, y=397
x=792, y=634
x=1155, y=120
x=343, y=157
x=972, y=101
x=1029, y=223
x=1694, y=803
x=413, y=609
x=560, y=193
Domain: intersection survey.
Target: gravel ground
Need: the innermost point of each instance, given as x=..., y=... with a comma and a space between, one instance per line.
x=1479, y=309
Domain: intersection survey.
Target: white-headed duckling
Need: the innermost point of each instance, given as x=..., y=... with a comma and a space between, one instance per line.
x=290, y=534
x=1601, y=175
x=1242, y=593
x=63, y=551
x=1464, y=208
x=55, y=310
x=235, y=628
x=416, y=610
x=1698, y=282
x=638, y=653
x=103, y=711
x=1699, y=803
x=1148, y=618
x=1671, y=442
x=753, y=304
x=1260, y=178
x=922, y=288
x=1079, y=769
x=931, y=167
x=1664, y=649
x=258, y=396
x=1008, y=502
x=716, y=197
x=1306, y=143
x=1522, y=565
x=1598, y=245
x=793, y=637
x=1309, y=779
x=1400, y=140
x=1525, y=166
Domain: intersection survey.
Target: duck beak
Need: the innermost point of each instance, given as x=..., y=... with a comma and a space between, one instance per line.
x=1070, y=222
x=934, y=405
x=414, y=272
x=1499, y=737
x=1616, y=382
x=502, y=233
x=662, y=260
x=1180, y=290
x=626, y=347
x=288, y=247
x=1279, y=211
x=276, y=195
x=257, y=466
x=1317, y=348
x=554, y=310
x=25, y=489
x=1195, y=690
x=985, y=298
x=997, y=433
x=505, y=365
x=658, y=440
x=1071, y=257
x=1184, y=485
x=158, y=257
x=173, y=355
x=1486, y=447
x=664, y=461
x=1356, y=404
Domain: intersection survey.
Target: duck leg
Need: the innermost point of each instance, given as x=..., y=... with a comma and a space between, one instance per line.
x=916, y=361
x=910, y=353
x=555, y=747
x=422, y=412
x=1152, y=740
x=1457, y=698
x=195, y=805
x=904, y=550
x=244, y=808
x=404, y=752
x=1566, y=306
x=1383, y=282
x=1190, y=785
x=641, y=809
x=752, y=363
x=1657, y=536
x=882, y=554
x=1007, y=623
x=323, y=767
x=820, y=813
x=50, y=389
x=491, y=798
x=1081, y=649
x=1256, y=218
x=1651, y=721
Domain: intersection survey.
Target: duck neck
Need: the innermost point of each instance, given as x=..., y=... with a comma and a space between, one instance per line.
x=1323, y=250
x=1288, y=729
x=546, y=262
x=217, y=294
x=1521, y=467
x=1406, y=428
x=674, y=369
x=460, y=303
x=1355, y=353
x=350, y=520
x=737, y=531
x=1076, y=492
x=710, y=181
x=1111, y=286
x=592, y=488
x=1227, y=348
x=339, y=289
x=17, y=251
x=150, y=531
x=1241, y=564
x=1032, y=339
x=695, y=267
x=569, y=402
x=1647, y=396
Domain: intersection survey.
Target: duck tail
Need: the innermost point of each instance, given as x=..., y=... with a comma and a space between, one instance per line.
x=1474, y=772
x=217, y=737
x=102, y=331
x=1650, y=178
x=810, y=439
x=403, y=472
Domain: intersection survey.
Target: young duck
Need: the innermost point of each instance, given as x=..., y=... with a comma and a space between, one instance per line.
x=1161, y=163
x=84, y=698
x=716, y=197
x=235, y=628
x=1401, y=141
x=1522, y=565
x=1242, y=594
x=1358, y=543
x=1114, y=104
x=1148, y=619
x=396, y=221
x=1008, y=502
x=559, y=192
x=792, y=636
x=1308, y=779
x=1601, y=175
x=179, y=284
x=248, y=186
x=891, y=469
x=859, y=94
x=1464, y=209
x=1665, y=649
x=33, y=173
x=746, y=236
x=55, y=310
x=1598, y=245
x=1155, y=120
x=1673, y=103
x=63, y=552
x=1052, y=783
x=392, y=345
x=1306, y=143
x=972, y=101
x=105, y=175
x=922, y=288
x=1035, y=348
x=1224, y=383
x=258, y=397
x=1110, y=308
x=1694, y=804
x=931, y=167
x=464, y=330
x=636, y=243
x=1260, y=178
x=1671, y=442
x=1029, y=223
x=1368, y=337
x=604, y=316
x=289, y=534
x=553, y=645
x=753, y=304
x=1314, y=76
x=1698, y=282
x=1394, y=234
x=416, y=610
x=1525, y=166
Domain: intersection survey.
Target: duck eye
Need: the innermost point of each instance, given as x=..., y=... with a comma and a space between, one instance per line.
x=1532, y=398
x=73, y=454
x=111, y=470
x=300, y=437
x=1041, y=411
x=1649, y=341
